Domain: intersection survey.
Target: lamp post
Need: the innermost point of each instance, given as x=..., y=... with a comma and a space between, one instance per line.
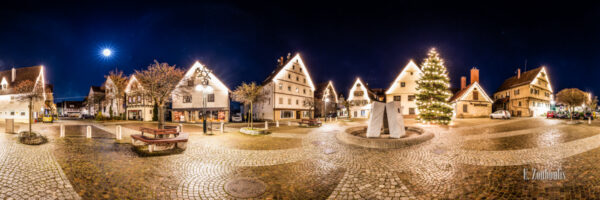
x=204, y=87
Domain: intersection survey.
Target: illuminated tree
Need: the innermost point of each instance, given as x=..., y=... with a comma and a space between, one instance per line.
x=433, y=91
x=158, y=81
x=248, y=94
x=571, y=97
x=120, y=82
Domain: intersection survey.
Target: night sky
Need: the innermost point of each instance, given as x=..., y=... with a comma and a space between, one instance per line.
x=338, y=41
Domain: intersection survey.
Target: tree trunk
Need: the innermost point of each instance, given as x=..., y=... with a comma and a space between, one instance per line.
x=251, y=120
x=161, y=116
x=30, y=118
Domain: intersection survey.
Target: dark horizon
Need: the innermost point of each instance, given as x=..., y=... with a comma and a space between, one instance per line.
x=240, y=42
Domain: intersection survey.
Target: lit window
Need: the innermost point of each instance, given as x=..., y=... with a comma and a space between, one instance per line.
x=280, y=86
x=297, y=91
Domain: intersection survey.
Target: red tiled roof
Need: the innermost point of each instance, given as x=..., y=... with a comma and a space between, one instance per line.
x=21, y=74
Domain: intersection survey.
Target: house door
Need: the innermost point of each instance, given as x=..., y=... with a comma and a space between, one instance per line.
x=298, y=114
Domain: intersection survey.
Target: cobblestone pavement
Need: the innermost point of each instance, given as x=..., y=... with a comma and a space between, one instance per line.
x=470, y=159
x=31, y=172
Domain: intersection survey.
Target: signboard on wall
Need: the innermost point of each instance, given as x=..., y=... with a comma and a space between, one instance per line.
x=221, y=115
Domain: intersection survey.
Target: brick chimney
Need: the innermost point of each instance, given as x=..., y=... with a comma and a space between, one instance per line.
x=13, y=75
x=474, y=75
x=463, y=82
x=518, y=73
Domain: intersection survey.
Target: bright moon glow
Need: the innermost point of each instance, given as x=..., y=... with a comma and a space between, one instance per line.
x=106, y=52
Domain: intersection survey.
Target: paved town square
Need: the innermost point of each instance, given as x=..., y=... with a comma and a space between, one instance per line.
x=470, y=158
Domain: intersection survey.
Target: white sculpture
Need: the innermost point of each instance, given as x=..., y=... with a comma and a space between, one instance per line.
x=376, y=119
x=394, y=119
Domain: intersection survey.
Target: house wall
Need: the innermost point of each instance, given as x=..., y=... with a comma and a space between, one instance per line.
x=288, y=91
x=191, y=110
x=409, y=76
x=12, y=108
x=524, y=101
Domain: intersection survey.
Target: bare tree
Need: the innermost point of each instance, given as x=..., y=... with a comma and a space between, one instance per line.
x=120, y=82
x=158, y=81
x=592, y=104
x=346, y=105
x=571, y=97
x=29, y=91
x=248, y=94
x=309, y=103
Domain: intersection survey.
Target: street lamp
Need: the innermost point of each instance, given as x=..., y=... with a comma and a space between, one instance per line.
x=204, y=87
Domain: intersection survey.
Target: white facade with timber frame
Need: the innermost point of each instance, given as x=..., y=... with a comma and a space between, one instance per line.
x=404, y=89
x=289, y=92
x=188, y=102
x=360, y=98
x=139, y=106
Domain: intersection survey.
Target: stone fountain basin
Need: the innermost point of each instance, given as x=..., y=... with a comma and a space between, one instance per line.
x=357, y=136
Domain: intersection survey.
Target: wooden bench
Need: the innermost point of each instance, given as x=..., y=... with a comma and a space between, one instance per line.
x=310, y=122
x=159, y=132
x=159, y=144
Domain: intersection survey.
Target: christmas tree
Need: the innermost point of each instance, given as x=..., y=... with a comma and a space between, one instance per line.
x=433, y=92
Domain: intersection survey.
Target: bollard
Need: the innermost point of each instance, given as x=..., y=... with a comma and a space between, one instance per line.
x=266, y=125
x=589, y=120
x=62, y=130
x=336, y=119
x=119, y=132
x=289, y=123
x=89, y=132
x=277, y=123
x=180, y=128
x=222, y=127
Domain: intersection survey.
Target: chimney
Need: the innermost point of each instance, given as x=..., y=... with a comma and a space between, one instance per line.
x=463, y=82
x=518, y=73
x=474, y=75
x=14, y=74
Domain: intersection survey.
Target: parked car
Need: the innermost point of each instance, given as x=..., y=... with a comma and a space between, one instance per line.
x=500, y=114
x=576, y=115
x=561, y=115
x=237, y=117
x=550, y=114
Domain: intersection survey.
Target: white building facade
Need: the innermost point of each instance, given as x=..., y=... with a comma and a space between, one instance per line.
x=189, y=98
x=139, y=106
x=404, y=89
x=14, y=107
x=288, y=91
x=360, y=99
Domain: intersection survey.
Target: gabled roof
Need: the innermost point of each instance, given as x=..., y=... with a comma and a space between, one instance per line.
x=321, y=87
x=463, y=93
x=278, y=71
x=370, y=94
x=21, y=74
x=132, y=79
x=526, y=78
x=97, y=89
x=411, y=65
x=199, y=66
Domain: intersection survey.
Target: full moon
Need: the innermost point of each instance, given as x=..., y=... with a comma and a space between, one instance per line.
x=106, y=52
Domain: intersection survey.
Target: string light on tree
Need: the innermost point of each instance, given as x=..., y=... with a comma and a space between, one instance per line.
x=433, y=91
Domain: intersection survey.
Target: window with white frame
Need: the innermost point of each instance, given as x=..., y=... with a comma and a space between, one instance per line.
x=286, y=114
